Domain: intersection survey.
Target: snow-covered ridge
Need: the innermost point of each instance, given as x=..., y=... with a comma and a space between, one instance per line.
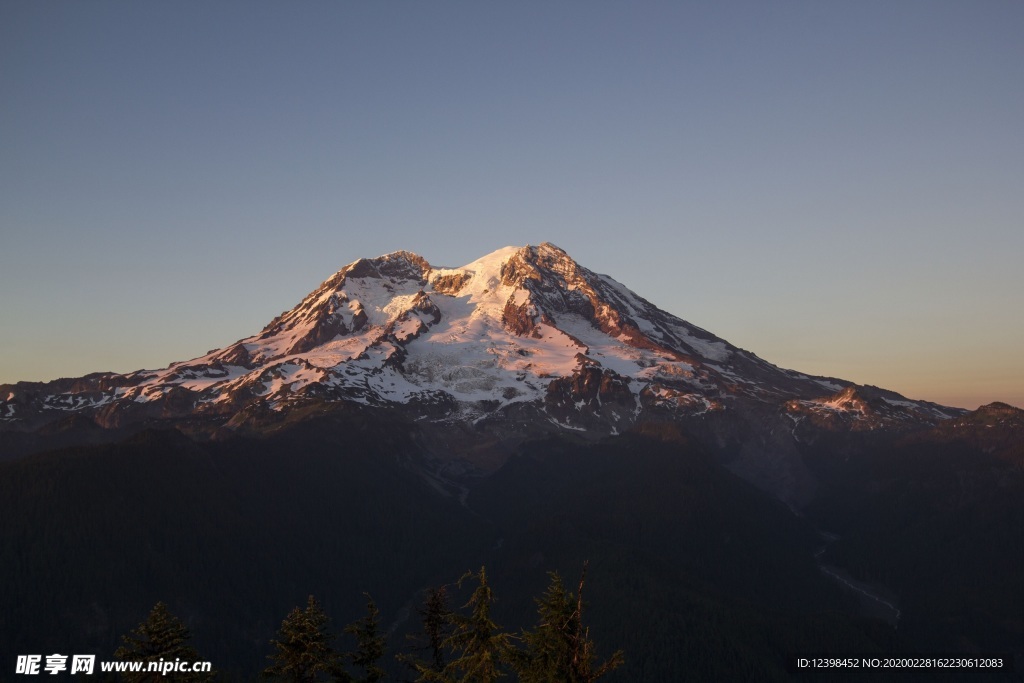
x=868, y=407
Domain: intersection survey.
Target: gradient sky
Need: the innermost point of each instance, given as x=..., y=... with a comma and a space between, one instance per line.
x=838, y=187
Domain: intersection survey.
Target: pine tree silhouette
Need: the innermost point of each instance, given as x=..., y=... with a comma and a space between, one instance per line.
x=304, y=653
x=161, y=638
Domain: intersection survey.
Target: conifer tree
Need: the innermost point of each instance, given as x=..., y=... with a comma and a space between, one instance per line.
x=559, y=649
x=304, y=653
x=437, y=620
x=480, y=646
x=161, y=638
x=370, y=644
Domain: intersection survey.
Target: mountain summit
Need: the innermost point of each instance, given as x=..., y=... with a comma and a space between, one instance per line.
x=520, y=342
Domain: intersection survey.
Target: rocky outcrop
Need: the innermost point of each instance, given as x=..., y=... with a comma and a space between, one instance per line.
x=592, y=393
x=450, y=283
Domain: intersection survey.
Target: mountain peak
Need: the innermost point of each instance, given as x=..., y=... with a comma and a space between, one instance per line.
x=992, y=414
x=403, y=264
x=522, y=336
x=1000, y=408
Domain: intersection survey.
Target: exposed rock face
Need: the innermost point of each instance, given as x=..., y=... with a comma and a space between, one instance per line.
x=591, y=394
x=520, y=318
x=521, y=342
x=450, y=284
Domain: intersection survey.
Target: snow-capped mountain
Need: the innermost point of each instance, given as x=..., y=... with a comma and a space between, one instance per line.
x=521, y=341
x=521, y=412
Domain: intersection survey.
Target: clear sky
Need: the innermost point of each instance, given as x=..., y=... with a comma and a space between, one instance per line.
x=836, y=186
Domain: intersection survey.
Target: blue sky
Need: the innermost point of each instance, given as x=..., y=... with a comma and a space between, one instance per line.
x=838, y=187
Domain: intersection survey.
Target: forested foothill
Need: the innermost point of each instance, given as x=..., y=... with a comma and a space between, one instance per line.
x=693, y=573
